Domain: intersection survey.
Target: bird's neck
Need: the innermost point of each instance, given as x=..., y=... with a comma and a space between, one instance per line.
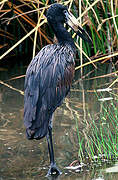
x=63, y=36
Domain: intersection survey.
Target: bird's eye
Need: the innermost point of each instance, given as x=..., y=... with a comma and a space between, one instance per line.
x=64, y=11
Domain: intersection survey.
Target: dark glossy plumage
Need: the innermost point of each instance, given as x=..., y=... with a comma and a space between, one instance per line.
x=48, y=80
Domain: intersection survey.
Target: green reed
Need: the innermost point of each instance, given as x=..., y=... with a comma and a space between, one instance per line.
x=101, y=138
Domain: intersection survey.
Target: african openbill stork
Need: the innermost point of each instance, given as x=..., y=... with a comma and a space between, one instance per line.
x=49, y=77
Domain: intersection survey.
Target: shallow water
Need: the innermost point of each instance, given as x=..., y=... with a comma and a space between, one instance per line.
x=24, y=159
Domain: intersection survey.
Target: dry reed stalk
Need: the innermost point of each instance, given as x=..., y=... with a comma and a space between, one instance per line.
x=35, y=36
x=96, y=60
x=11, y=87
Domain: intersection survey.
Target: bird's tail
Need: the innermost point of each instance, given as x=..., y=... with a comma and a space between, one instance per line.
x=39, y=127
x=35, y=134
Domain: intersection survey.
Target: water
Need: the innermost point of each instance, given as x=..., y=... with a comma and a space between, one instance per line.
x=24, y=159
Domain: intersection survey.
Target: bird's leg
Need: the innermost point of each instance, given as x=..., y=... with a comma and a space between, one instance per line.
x=53, y=170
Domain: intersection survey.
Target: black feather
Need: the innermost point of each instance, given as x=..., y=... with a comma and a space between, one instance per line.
x=45, y=87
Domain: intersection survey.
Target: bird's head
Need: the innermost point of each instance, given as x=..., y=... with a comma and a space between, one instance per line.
x=55, y=13
x=58, y=13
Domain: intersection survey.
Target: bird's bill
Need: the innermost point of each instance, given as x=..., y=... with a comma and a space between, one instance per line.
x=74, y=24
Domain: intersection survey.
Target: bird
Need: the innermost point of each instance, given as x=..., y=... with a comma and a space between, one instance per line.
x=49, y=77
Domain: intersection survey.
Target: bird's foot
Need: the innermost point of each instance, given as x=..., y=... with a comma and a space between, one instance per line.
x=53, y=171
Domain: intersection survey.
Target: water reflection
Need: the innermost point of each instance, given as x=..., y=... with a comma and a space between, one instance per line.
x=24, y=159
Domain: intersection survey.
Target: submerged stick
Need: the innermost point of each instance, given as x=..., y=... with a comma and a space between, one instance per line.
x=11, y=87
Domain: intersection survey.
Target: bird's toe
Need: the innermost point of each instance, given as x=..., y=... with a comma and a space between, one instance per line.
x=53, y=171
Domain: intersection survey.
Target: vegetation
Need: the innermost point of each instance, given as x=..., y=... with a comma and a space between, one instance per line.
x=20, y=19
x=97, y=125
x=98, y=141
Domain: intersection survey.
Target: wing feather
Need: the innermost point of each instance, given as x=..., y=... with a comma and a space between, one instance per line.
x=48, y=80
